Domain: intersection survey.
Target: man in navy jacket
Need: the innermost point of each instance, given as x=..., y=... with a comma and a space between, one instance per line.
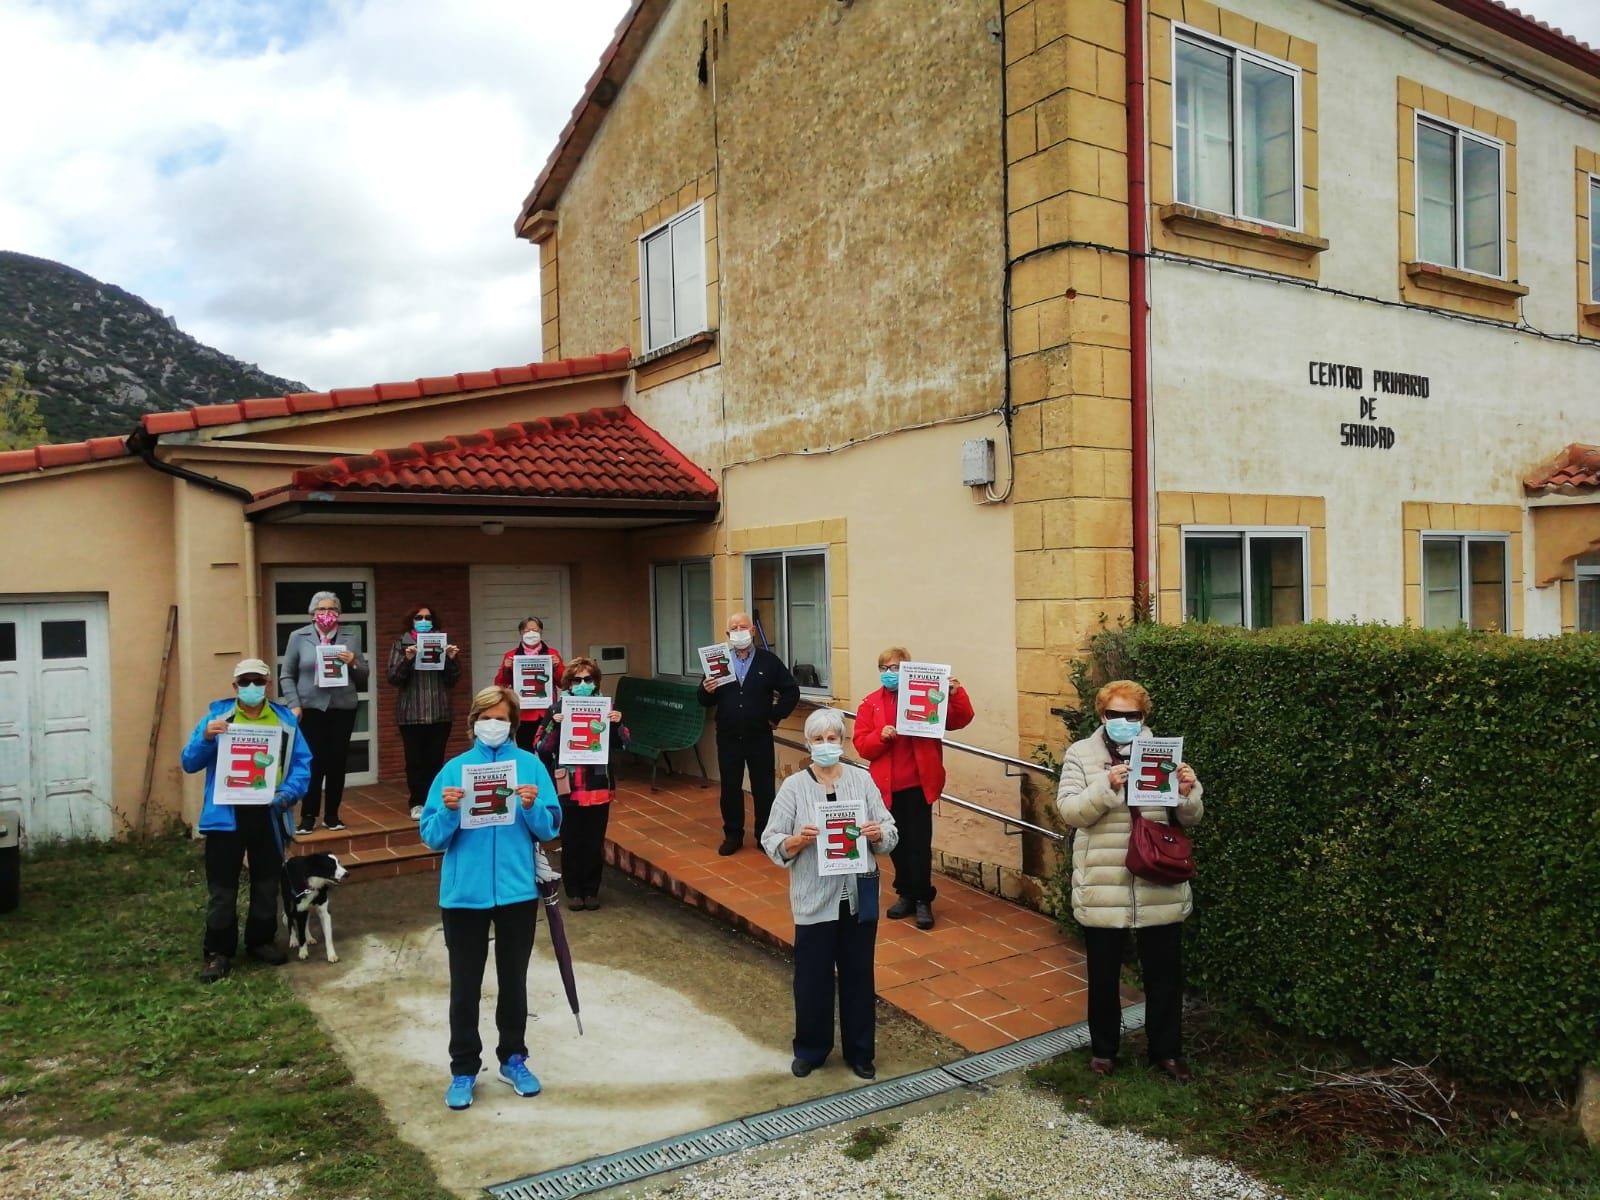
x=748, y=710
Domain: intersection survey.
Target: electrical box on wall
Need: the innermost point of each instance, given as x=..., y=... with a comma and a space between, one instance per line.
x=613, y=660
x=977, y=462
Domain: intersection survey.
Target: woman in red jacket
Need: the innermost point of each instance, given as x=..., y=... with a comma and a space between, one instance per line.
x=530, y=641
x=909, y=771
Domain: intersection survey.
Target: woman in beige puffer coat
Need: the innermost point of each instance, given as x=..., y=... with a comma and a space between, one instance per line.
x=1108, y=900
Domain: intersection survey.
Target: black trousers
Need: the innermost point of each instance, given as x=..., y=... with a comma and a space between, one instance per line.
x=226, y=854
x=583, y=846
x=913, y=854
x=466, y=938
x=828, y=957
x=424, y=756
x=328, y=738
x=735, y=753
x=1161, y=967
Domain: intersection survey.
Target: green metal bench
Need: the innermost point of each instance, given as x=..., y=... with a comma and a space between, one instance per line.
x=661, y=717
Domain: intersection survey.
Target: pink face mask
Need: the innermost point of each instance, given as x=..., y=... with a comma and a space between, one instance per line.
x=326, y=620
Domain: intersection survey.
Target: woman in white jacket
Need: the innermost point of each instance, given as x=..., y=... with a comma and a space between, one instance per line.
x=1108, y=899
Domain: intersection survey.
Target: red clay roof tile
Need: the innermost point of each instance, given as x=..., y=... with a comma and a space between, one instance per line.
x=169, y=422
x=1573, y=472
x=217, y=414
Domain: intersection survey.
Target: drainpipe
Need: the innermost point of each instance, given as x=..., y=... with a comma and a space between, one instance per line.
x=1138, y=291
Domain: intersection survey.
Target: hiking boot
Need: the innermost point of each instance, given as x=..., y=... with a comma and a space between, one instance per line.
x=269, y=954
x=901, y=909
x=459, y=1094
x=515, y=1072
x=924, y=915
x=217, y=966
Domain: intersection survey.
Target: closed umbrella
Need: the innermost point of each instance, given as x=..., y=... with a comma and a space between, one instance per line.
x=549, y=880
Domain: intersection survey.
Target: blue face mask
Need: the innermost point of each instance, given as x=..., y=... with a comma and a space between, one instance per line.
x=890, y=680
x=1121, y=730
x=252, y=694
x=827, y=754
x=422, y=625
x=584, y=687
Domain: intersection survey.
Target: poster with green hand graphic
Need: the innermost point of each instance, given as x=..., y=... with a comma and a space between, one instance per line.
x=1153, y=771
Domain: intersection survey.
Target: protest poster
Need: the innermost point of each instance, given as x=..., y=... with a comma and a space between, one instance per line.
x=430, y=651
x=332, y=671
x=585, y=731
x=533, y=680
x=717, y=663
x=1153, y=771
x=248, y=758
x=922, y=704
x=491, y=794
x=841, y=846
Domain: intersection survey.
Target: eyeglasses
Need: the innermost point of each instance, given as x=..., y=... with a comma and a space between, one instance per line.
x=1113, y=714
x=251, y=680
x=583, y=679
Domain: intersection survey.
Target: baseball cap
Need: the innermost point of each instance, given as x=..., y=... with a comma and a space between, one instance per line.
x=252, y=666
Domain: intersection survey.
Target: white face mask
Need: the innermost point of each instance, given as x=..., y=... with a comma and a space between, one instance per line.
x=492, y=731
x=739, y=639
x=532, y=638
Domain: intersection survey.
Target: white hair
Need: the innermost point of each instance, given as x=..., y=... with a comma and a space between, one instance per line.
x=824, y=720
x=319, y=597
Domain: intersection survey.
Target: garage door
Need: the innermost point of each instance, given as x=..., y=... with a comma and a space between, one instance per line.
x=55, y=724
x=501, y=598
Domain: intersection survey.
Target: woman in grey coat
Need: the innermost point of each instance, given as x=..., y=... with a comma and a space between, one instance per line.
x=326, y=712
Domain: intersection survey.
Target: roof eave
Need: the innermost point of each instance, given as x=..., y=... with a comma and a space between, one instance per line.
x=285, y=505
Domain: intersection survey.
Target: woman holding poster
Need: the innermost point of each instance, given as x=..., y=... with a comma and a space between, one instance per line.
x=1108, y=899
x=422, y=701
x=827, y=825
x=487, y=810
x=530, y=640
x=320, y=679
x=909, y=771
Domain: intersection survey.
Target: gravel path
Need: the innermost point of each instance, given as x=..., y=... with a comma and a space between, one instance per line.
x=127, y=1168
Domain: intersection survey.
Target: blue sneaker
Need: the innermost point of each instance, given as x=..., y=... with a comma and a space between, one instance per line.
x=459, y=1094
x=515, y=1072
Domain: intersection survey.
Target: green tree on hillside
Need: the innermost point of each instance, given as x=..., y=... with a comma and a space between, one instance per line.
x=21, y=426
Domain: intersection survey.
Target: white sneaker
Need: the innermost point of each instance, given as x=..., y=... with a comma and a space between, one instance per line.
x=416, y=812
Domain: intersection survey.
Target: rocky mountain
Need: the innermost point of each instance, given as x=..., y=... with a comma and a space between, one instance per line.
x=99, y=357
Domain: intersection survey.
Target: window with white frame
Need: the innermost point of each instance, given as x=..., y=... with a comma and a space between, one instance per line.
x=672, y=279
x=786, y=594
x=1466, y=580
x=1460, y=197
x=1594, y=239
x=1237, y=130
x=1588, y=576
x=681, y=609
x=1249, y=577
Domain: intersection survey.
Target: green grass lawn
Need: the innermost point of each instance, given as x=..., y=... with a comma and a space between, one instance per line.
x=104, y=1028
x=1253, y=1103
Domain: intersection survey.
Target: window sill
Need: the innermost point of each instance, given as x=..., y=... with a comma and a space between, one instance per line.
x=684, y=347
x=1590, y=314
x=1454, y=282
x=1189, y=221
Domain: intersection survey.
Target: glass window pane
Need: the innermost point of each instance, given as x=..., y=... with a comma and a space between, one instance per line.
x=359, y=758
x=1214, y=578
x=1594, y=240
x=808, y=618
x=688, y=276
x=1589, y=603
x=698, y=618
x=1441, y=583
x=658, y=318
x=1204, y=102
x=1480, y=181
x=1436, y=194
x=766, y=602
x=64, y=639
x=670, y=650
x=293, y=600
x=363, y=721
x=8, y=642
x=1267, y=150
x=1277, y=581
x=1486, y=566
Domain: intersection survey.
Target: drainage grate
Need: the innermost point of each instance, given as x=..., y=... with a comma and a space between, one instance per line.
x=1036, y=1049
x=846, y=1106
x=669, y=1154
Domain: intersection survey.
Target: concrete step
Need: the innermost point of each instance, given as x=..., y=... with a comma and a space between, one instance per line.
x=374, y=848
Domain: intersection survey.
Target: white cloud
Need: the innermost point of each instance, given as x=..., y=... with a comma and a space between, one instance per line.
x=325, y=189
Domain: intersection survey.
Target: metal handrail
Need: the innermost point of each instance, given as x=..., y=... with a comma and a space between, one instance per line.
x=979, y=751
x=1005, y=819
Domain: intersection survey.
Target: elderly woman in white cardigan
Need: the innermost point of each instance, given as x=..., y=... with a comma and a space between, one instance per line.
x=835, y=916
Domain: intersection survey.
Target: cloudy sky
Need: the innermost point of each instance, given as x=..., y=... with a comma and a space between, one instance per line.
x=324, y=187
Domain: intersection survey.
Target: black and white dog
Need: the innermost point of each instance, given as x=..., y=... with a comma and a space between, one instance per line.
x=307, y=878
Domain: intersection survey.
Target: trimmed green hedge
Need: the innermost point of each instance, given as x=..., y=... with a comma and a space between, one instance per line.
x=1402, y=834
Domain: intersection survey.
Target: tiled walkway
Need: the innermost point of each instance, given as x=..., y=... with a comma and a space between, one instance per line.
x=989, y=971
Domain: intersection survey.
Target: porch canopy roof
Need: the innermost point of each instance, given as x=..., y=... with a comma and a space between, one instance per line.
x=1564, y=498
x=602, y=468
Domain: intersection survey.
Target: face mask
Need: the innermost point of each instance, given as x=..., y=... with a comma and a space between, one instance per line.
x=532, y=639
x=422, y=625
x=890, y=679
x=326, y=620
x=827, y=754
x=739, y=639
x=252, y=694
x=583, y=688
x=1121, y=730
x=492, y=732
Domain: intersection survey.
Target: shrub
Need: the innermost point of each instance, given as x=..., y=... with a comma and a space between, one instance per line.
x=1401, y=842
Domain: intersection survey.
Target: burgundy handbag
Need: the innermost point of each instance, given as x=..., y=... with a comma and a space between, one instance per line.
x=1159, y=853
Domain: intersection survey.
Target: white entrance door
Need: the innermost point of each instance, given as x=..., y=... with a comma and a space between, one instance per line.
x=501, y=598
x=55, y=726
x=292, y=589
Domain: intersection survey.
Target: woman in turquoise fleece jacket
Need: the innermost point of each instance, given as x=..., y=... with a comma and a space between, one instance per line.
x=487, y=878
